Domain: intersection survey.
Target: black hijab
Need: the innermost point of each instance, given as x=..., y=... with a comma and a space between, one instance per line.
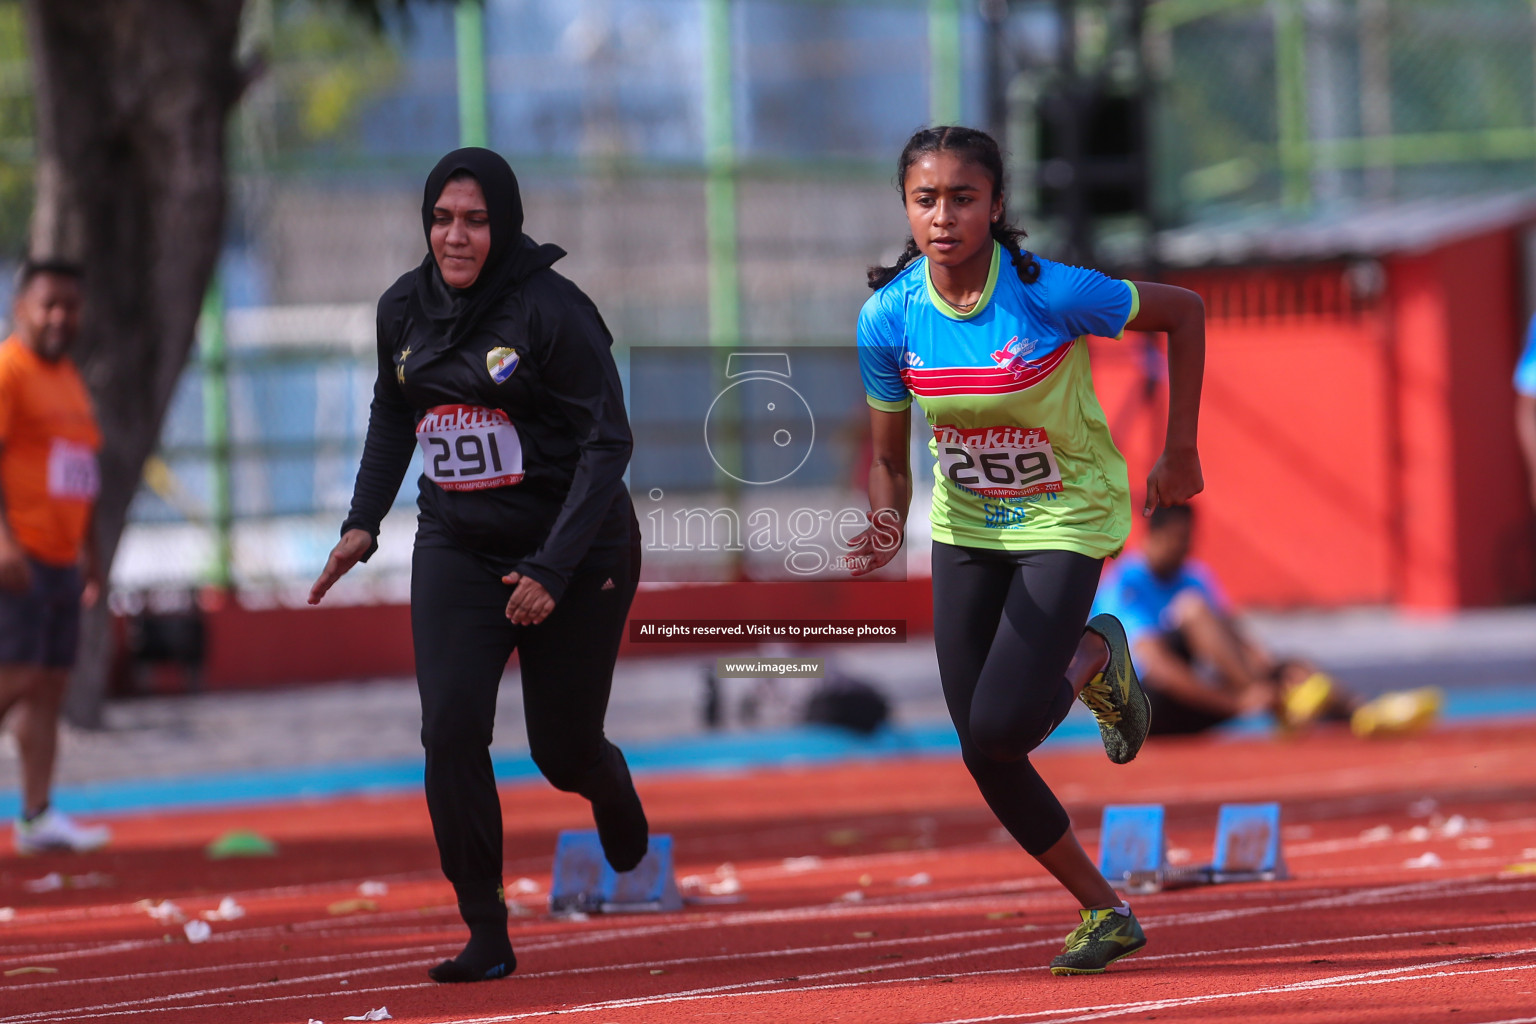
x=513, y=256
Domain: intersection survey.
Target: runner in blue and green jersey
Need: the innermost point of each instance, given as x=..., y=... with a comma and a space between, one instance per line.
x=1030, y=493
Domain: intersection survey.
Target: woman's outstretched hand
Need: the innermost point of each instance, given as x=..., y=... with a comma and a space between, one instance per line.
x=1175, y=478
x=530, y=604
x=877, y=545
x=354, y=544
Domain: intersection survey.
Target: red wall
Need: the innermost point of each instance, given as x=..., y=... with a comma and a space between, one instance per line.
x=266, y=647
x=1493, y=553
x=1295, y=432
x=1357, y=449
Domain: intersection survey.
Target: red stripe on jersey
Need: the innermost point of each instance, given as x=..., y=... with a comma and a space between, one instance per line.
x=981, y=380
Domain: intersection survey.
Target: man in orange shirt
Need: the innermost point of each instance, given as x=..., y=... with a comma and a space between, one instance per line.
x=48, y=485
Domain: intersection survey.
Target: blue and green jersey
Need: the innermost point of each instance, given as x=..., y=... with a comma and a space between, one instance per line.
x=1023, y=455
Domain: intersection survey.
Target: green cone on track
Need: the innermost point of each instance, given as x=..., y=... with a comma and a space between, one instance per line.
x=241, y=843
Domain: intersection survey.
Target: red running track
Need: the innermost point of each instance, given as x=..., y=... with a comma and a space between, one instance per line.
x=878, y=892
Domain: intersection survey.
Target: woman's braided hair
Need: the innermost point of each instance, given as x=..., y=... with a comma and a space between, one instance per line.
x=976, y=147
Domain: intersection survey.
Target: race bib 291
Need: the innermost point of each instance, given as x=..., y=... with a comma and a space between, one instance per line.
x=469, y=448
x=999, y=462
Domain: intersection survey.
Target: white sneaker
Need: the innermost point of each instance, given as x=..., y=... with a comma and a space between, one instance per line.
x=55, y=830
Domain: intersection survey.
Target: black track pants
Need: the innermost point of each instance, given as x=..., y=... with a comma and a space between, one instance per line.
x=463, y=641
x=1005, y=626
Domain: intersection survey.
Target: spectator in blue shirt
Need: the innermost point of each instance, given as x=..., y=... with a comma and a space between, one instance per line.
x=1525, y=407
x=1199, y=668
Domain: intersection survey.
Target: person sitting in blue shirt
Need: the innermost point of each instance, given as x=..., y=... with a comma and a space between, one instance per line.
x=1525, y=407
x=1199, y=668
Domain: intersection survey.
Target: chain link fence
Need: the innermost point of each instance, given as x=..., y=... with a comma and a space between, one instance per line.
x=1315, y=104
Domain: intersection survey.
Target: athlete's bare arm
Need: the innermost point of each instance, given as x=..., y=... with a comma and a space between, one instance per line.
x=1176, y=477
x=890, y=489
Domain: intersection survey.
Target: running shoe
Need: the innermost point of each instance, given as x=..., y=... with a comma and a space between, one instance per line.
x=56, y=831
x=1115, y=695
x=1104, y=937
x=1398, y=714
x=1305, y=702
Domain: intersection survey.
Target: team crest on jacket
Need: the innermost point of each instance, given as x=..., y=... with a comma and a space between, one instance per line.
x=501, y=362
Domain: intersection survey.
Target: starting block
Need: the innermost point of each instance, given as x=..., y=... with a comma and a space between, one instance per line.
x=1248, y=844
x=585, y=882
x=1133, y=848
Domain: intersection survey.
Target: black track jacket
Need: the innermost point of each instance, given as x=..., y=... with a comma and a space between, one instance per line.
x=536, y=377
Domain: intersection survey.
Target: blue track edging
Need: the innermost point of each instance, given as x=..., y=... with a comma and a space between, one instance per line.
x=710, y=752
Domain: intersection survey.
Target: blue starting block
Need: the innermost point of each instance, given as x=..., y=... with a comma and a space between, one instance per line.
x=585, y=882
x=1133, y=848
x=1248, y=844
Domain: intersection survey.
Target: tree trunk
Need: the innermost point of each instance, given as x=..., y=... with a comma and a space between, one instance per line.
x=133, y=97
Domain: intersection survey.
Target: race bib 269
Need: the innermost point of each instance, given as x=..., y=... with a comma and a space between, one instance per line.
x=469, y=448
x=999, y=462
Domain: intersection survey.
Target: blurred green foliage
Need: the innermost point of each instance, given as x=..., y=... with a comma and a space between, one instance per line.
x=16, y=132
x=1451, y=75
x=327, y=59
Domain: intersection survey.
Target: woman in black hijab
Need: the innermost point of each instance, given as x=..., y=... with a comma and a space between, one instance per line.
x=501, y=370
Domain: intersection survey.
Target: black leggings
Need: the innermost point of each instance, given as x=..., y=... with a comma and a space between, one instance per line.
x=463, y=640
x=1005, y=626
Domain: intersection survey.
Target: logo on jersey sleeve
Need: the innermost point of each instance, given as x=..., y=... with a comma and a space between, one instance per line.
x=501, y=362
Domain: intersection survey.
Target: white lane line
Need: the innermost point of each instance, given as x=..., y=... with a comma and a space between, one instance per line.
x=1396, y=893
x=1385, y=976
x=374, y=954
x=316, y=927
x=1393, y=894
x=245, y=896
x=365, y=924
x=762, y=954
x=1430, y=888
x=760, y=989
x=145, y=1005
x=348, y=991
x=1401, y=837
x=841, y=947
x=965, y=974
x=925, y=900
x=402, y=951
